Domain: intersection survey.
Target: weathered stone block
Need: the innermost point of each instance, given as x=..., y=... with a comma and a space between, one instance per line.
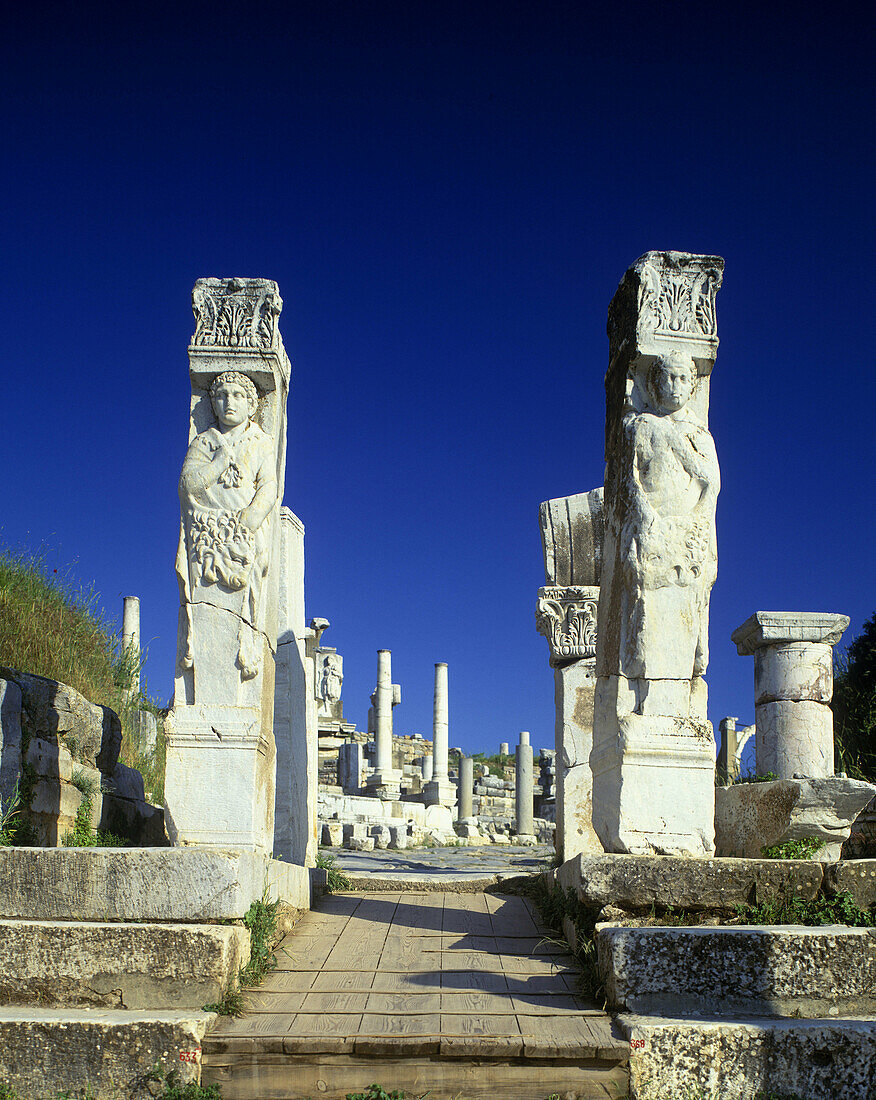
x=856, y=877
x=44, y=1051
x=736, y=1060
x=146, y=884
x=333, y=834
x=635, y=883
x=126, y=966
x=381, y=835
x=752, y=816
x=781, y=971
x=10, y=739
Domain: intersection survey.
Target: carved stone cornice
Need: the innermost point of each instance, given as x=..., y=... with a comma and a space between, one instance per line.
x=566, y=616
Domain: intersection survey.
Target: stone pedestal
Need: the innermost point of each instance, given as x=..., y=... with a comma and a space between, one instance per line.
x=793, y=686
x=351, y=766
x=439, y=790
x=465, y=812
x=574, y=690
x=385, y=780
x=524, y=817
x=295, y=824
x=221, y=759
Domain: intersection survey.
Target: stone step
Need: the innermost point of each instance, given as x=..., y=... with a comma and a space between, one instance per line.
x=122, y=966
x=143, y=884
x=46, y=1052
x=474, y=1064
x=738, y=1059
x=748, y=970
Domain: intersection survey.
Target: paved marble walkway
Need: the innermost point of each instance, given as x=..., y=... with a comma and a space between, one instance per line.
x=436, y=866
x=450, y=974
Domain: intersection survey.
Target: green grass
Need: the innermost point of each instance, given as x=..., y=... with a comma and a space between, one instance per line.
x=173, y=1090
x=794, y=849
x=84, y=835
x=767, y=777
x=496, y=763
x=52, y=628
x=837, y=909
x=335, y=877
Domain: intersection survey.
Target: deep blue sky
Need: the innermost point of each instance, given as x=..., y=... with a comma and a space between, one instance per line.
x=447, y=194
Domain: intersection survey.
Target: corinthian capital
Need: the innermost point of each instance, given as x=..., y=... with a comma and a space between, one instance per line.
x=567, y=617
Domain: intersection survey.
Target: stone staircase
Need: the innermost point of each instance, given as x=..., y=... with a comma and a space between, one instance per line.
x=108, y=956
x=454, y=996
x=733, y=1012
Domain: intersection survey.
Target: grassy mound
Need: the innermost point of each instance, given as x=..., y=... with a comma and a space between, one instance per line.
x=50, y=628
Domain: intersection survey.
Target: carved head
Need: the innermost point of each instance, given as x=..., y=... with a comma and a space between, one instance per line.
x=234, y=398
x=671, y=382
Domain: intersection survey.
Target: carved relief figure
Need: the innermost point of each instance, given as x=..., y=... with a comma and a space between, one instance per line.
x=227, y=490
x=668, y=547
x=331, y=681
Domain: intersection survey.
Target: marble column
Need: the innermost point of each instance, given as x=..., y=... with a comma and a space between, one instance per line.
x=439, y=790
x=793, y=686
x=131, y=636
x=523, y=788
x=504, y=749
x=733, y=740
x=466, y=788
x=427, y=768
x=385, y=780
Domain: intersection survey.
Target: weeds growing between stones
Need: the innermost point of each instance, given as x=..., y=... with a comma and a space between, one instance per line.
x=261, y=920
x=335, y=877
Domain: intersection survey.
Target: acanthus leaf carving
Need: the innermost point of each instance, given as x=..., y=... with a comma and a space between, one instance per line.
x=236, y=313
x=678, y=303
x=566, y=616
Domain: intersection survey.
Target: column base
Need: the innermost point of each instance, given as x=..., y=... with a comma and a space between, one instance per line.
x=439, y=792
x=384, y=785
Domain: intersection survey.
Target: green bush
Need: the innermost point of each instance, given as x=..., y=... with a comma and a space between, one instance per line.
x=854, y=705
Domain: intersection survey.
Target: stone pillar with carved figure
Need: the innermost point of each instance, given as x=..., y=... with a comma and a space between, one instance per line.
x=221, y=756
x=572, y=532
x=653, y=757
